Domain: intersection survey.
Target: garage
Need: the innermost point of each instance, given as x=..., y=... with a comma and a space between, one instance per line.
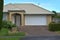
x=35, y=20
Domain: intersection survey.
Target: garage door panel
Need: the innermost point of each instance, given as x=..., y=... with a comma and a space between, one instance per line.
x=35, y=20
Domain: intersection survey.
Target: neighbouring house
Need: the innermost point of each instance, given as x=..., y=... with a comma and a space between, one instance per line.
x=27, y=15
x=57, y=18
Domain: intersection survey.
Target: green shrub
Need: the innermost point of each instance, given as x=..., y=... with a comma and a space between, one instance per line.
x=54, y=26
x=8, y=24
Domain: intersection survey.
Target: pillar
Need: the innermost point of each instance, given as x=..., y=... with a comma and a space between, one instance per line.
x=22, y=19
x=49, y=19
x=10, y=17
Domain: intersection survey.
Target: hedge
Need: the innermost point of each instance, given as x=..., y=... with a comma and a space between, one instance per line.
x=54, y=26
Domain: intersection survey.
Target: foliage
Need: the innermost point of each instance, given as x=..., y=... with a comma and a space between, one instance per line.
x=55, y=14
x=11, y=38
x=17, y=34
x=54, y=26
x=8, y=24
x=3, y=32
x=1, y=12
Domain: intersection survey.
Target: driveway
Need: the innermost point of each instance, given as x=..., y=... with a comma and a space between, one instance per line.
x=37, y=30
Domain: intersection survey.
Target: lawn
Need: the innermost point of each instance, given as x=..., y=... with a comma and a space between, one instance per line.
x=5, y=32
x=11, y=38
x=5, y=35
x=8, y=32
x=17, y=34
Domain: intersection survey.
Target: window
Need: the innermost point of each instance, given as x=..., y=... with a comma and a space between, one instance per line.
x=5, y=16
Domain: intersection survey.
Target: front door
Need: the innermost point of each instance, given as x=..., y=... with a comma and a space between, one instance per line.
x=16, y=19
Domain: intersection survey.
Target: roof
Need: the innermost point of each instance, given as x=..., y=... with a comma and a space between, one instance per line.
x=27, y=7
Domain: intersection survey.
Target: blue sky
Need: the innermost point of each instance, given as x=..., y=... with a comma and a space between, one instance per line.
x=47, y=4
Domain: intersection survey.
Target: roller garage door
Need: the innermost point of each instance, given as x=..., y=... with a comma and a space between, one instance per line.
x=35, y=20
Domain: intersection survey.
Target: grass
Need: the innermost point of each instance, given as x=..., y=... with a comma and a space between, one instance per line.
x=57, y=32
x=17, y=34
x=4, y=32
x=11, y=38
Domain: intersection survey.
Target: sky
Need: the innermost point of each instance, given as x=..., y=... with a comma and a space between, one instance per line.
x=51, y=5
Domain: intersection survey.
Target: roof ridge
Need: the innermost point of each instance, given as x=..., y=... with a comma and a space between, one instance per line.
x=42, y=8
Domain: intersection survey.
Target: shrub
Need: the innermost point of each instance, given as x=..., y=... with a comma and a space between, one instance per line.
x=8, y=24
x=54, y=26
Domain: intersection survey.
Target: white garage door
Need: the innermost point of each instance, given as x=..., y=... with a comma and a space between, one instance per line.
x=35, y=20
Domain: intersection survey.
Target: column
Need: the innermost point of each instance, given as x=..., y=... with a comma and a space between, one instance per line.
x=49, y=19
x=22, y=19
x=9, y=16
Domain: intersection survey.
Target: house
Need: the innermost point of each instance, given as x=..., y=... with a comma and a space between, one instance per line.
x=57, y=18
x=28, y=16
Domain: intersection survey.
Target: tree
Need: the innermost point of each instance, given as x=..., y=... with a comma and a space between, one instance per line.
x=54, y=12
x=1, y=12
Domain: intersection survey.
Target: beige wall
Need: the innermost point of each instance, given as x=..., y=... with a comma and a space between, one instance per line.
x=49, y=19
x=22, y=17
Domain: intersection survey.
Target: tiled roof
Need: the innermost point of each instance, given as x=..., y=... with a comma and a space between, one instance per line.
x=27, y=7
